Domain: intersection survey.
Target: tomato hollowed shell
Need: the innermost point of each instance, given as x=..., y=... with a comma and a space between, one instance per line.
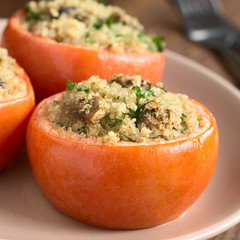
x=50, y=64
x=126, y=185
x=14, y=116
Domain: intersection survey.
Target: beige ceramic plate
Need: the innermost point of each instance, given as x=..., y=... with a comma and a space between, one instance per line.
x=25, y=214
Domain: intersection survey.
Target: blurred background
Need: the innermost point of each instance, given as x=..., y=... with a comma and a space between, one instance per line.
x=161, y=16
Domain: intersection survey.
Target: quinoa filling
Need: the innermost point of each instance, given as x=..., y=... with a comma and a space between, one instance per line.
x=125, y=109
x=89, y=23
x=11, y=86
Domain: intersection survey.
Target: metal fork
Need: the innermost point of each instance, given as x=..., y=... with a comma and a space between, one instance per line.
x=204, y=24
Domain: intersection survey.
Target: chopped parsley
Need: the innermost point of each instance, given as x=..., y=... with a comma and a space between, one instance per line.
x=106, y=118
x=83, y=131
x=27, y=8
x=127, y=138
x=109, y=21
x=184, y=115
x=33, y=16
x=30, y=14
x=119, y=35
x=102, y=2
x=88, y=38
x=72, y=85
x=117, y=98
x=98, y=24
x=141, y=94
x=142, y=38
x=136, y=114
x=159, y=42
x=117, y=121
x=199, y=119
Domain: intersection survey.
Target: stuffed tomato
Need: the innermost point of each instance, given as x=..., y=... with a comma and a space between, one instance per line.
x=56, y=41
x=122, y=155
x=16, y=105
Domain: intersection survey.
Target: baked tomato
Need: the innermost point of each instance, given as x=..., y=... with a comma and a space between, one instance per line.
x=50, y=64
x=125, y=185
x=14, y=116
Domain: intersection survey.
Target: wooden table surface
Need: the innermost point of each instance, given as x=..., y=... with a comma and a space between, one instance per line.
x=161, y=17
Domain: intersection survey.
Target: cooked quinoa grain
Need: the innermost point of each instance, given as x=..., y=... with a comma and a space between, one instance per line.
x=89, y=23
x=11, y=86
x=125, y=109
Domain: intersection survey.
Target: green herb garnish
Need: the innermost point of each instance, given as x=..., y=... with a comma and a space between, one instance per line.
x=33, y=16
x=83, y=131
x=88, y=38
x=142, y=38
x=128, y=138
x=30, y=14
x=184, y=115
x=199, y=119
x=149, y=111
x=141, y=94
x=159, y=42
x=106, y=118
x=98, y=24
x=72, y=85
x=102, y=2
x=109, y=21
x=149, y=92
x=117, y=98
x=117, y=121
x=136, y=114
x=27, y=8
x=119, y=35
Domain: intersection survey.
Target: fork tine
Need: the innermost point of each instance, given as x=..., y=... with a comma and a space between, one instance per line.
x=185, y=8
x=196, y=8
x=209, y=7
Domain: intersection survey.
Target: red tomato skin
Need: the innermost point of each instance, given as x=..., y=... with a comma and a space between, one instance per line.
x=14, y=116
x=50, y=64
x=122, y=187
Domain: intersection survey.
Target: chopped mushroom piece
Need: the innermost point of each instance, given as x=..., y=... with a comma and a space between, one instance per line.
x=124, y=81
x=149, y=118
x=171, y=117
x=78, y=111
x=96, y=113
x=75, y=111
